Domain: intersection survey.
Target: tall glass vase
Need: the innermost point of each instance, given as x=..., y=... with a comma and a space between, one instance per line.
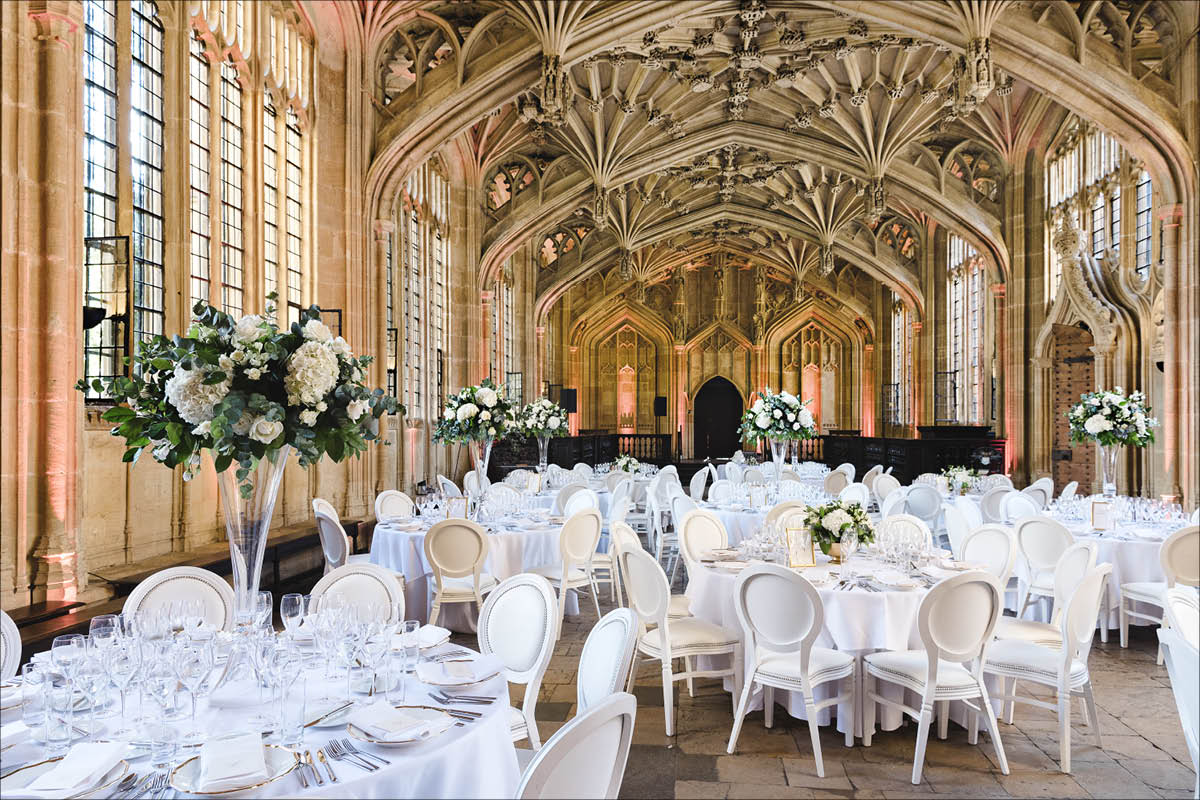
x=796, y=455
x=779, y=449
x=543, y=440
x=248, y=505
x=481, y=452
x=1108, y=468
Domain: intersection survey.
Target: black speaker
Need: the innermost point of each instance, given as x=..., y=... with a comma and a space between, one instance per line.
x=567, y=400
x=660, y=406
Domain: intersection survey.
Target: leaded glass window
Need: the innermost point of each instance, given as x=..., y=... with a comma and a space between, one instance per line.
x=232, y=249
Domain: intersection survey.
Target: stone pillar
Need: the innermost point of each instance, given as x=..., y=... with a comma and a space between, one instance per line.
x=679, y=378
x=867, y=412
x=575, y=370
x=1174, y=370
x=918, y=378
x=485, y=339
x=1001, y=414
x=1036, y=460
x=539, y=360
x=42, y=289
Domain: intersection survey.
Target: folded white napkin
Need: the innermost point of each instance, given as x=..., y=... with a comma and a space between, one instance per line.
x=227, y=764
x=470, y=671
x=14, y=733
x=381, y=721
x=10, y=695
x=81, y=768
x=432, y=634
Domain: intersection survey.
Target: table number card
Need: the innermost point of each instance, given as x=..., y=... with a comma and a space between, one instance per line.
x=456, y=508
x=801, y=552
x=1102, y=515
x=534, y=483
x=758, y=496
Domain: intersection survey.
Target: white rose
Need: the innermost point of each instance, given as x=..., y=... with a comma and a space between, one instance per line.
x=791, y=417
x=341, y=347
x=763, y=421
x=486, y=396
x=448, y=414
x=238, y=356
x=248, y=329
x=242, y=426
x=777, y=414
x=484, y=416
x=553, y=423
x=316, y=331
x=308, y=418
x=466, y=411
x=265, y=430
x=356, y=408
x=254, y=373
x=789, y=398
x=491, y=431
x=225, y=362
x=805, y=417
x=322, y=406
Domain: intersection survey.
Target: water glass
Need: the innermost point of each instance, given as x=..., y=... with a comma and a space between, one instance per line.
x=164, y=745
x=103, y=631
x=60, y=715
x=395, y=670
x=34, y=681
x=292, y=716
x=410, y=644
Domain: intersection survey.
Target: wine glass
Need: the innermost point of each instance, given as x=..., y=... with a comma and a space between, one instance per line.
x=91, y=679
x=193, y=664
x=159, y=681
x=123, y=661
x=193, y=615
x=292, y=608
x=66, y=653
x=103, y=630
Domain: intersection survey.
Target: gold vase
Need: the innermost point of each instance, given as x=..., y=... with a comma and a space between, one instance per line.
x=835, y=552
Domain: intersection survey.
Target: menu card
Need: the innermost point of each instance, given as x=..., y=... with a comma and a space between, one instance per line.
x=1102, y=515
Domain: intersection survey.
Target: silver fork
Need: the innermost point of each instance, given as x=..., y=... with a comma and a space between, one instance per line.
x=334, y=748
x=350, y=748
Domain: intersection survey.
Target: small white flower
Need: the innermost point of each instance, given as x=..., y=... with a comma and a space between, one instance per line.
x=341, y=347
x=317, y=331
x=248, y=329
x=448, y=414
x=322, y=406
x=202, y=429
x=162, y=451
x=758, y=406
x=242, y=426
x=484, y=416
x=763, y=421
x=777, y=414
x=308, y=418
x=225, y=362
x=254, y=373
x=491, y=431
x=356, y=408
x=265, y=430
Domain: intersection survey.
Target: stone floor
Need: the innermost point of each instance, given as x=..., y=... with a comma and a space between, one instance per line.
x=1144, y=754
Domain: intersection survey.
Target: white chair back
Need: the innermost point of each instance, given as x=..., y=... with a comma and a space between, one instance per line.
x=784, y=509
x=564, y=494
x=1068, y=491
x=579, y=537
x=1182, y=612
x=696, y=485
x=363, y=585
x=957, y=617
x=1046, y=484
x=448, y=487
x=472, y=486
x=185, y=583
x=1037, y=493
x=1017, y=506
x=580, y=500
x=994, y=548
x=647, y=587
x=1183, y=664
x=613, y=478
x=925, y=502
x=835, y=482
x=1071, y=568
x=1042, y=541
x=623, y=488
x=10, y=647
x=680, y=506
x=779, y=610
x=1180, y=557
x=393, y=504
x=895, y=503
x=733, y=472
x=456, y=548
x=586, y=757
x=957, y=529
x=856, y=493
x=869, y=477
x=970, y=511
x=997, y=480
x=500, y=499
x=789, y=476
x=753, y=475
x=335, y=544
x=1078, y=619
x=904, y=525
x=699, y=532
x=619, y=509
x=517, y=624
x=582, y=472
x=884, y=485
x=606, y=658
x=847, y=468
x=990, y=504
x=323, y=506
x=720, y=492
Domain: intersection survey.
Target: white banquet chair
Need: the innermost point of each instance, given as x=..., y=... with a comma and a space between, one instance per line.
x=721, y=492
x=1041, y=541
x=895, y=503
x=624, y=538
x=448, y=487
x=1195, y=517
x=970, y=511
x=1180, y=559
x=1073, y=565
x=883, y=486
x=586, y=757
x=994, y=481
x=606, y=658
x=604, y=565
x=1068, y=491
x=785, y=509
x=582, y=472
x=753, y=475
x=789, y=476
x=576, y=546
x=335, y=544
x=564, y=494
x=696, y=485
x=518, y=479
x=323, y=506
x=456, y=550
x=1017, y=506
x=556, y=475
x=499, y=499
x=650, y=597
x=700, y=532
x=782, y=616
x=847, y=468
x=955, y=620
x=183, y=583
x=516, y=624
x=834, y=482
x=957, y=529
x=868, y=478
x=10, y=646
x=990, y=504
x=472, y=485
x=856, y=493
x=994, y=549
x=1182, y=612
x=580, y=500
x=1037, y=494
x=733, y=472
x=613, y=478
x=367, y=585
x=393, y=504
x=1064, y=669
x=925, y=502
x=1183, y=664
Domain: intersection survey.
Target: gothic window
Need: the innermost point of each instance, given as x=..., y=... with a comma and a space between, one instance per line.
x=199, y=159
x=232, y=248
x=294, y=204
x=414, y=302
x=963, y=374
x=507, y=181
x=506, y=309
x=146, y=151
x=1145, y=191
x=270, y=195
x=901, y=362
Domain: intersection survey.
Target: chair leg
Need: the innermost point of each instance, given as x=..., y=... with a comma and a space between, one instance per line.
x=943, y=719
x=853, y=688
x=1010, y=688
x=1103, y=621
x=973, y=727
x=868, y=706
x=595, y=593
x=989, y=717
x=922, y=740
x=814, y=733
x=433, y=613
x=1090, y=704
x=633, y=668
x=1124, y=623
x=1022, y=602
x=562, y=606
x=668, y=697
x=1064, y=729
x=687, y=667
x=739, y=715
x=769, y=706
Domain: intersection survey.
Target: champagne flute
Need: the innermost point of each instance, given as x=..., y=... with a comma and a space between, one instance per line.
x=193, y=665
x=91, y=678
x=122, y=661
x=292, y=608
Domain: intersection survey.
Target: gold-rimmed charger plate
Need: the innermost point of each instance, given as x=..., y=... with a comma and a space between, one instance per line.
x=20, y=778
x=443, y=722
x=280, y=761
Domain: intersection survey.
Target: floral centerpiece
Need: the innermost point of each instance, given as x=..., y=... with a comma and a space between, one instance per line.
x=626, y=463
x=960, y=479
x=542, y=419
x=1111, y=419
x=828, y=524
x=780, y=418
x=476, y=416
x=248, y=394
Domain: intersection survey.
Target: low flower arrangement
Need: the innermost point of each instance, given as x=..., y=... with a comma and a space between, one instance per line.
x=781, y=417
x=540, y=418
x=475, y=414
x=626, y=463
x=828, y=523
x=960, y=479
x=243, y=389
x=1112, y=418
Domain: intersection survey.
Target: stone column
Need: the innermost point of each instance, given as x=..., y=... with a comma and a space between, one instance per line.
x=1174, y=370
x=575, y=370
x=1001, y=414
x=42, y=290
x=486, y=297
x=539, y=360
x=1036, y=460
x=918, y=378
x=866, y=422
x=679, y=378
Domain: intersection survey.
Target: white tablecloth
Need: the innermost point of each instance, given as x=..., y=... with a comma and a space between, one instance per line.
x=477, y=760
x=510, y=553
x=739, y=524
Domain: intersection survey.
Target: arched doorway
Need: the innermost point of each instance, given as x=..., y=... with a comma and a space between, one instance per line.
x=1074, y=373
x=716, y=414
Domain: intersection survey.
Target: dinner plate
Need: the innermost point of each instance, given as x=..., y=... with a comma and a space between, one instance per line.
x=465, y=681
x=336, y=719
x=280, y=761
x=731, y=566
x=439, y=722
x=21, y=778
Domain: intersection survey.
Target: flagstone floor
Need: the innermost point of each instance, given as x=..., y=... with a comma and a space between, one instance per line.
x=1143, y=753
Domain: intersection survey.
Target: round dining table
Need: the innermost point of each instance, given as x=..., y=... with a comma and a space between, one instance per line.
x=515, y=545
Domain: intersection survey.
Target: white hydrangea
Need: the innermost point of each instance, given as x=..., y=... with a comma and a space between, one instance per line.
x=448, y=414
x=1097, y=424
x=487, y=396
x=312, y=374
x=763, y=420
x=317, y=331
x=194, y=401
x=553, y=423
x=805, y=417
x=466, y=411
x=834, y=520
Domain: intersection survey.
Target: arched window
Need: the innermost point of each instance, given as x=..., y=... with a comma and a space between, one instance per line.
x=897, y=406
x=1142, y=245
x=294, y=181
x=270, y=136
x=960, y=383
x=232, y=245
x=199, y=165
x=146, y=151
